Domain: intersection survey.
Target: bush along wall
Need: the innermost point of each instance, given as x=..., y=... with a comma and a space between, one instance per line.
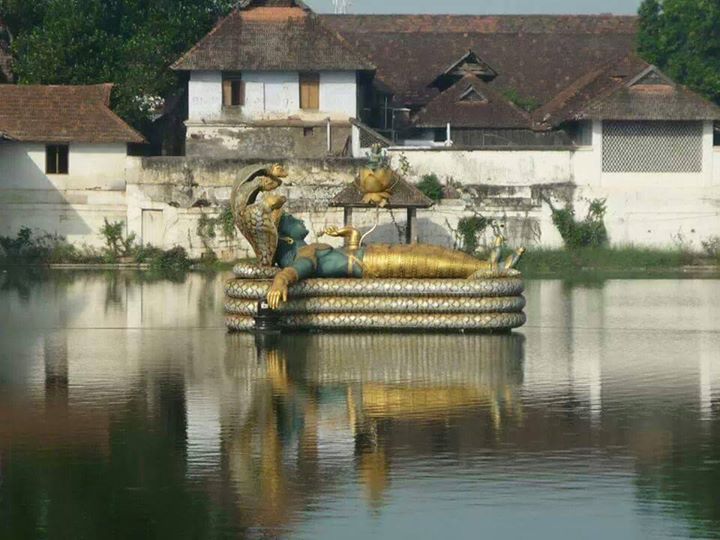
x=28, y=248
x=589, y=232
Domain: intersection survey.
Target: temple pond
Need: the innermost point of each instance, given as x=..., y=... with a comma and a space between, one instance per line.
x=126, y=411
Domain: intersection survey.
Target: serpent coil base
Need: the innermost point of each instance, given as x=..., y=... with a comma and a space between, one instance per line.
x=488, y=304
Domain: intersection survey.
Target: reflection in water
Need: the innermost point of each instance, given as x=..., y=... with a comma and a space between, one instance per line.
x=327, y=403
x=125, y=407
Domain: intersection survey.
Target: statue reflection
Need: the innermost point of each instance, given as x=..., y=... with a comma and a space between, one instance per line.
x=330, y=407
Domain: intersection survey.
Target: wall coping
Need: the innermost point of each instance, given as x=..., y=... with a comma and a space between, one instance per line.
x=485, y=148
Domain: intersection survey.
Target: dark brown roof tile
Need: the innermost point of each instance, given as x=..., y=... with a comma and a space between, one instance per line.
x=62, y=114
x=273, y=38
x=471, y=102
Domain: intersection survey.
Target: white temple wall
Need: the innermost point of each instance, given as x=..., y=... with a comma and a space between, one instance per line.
x=271, y=95
x=72, y=205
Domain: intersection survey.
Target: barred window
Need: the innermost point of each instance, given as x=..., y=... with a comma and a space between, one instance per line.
x=652, y=147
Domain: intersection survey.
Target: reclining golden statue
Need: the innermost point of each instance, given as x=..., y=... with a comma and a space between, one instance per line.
x=300, y=260
x=278, y=239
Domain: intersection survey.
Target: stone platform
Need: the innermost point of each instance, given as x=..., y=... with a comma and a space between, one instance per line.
x=490, y=304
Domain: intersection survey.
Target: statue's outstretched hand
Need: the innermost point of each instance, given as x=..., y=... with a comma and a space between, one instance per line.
x=332, y=230
x=277, y=294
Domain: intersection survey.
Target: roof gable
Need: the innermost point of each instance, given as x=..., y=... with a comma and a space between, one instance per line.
x=472, y=95
x=62, y=114
x=470, y=64
x=471, y=102
x=272, y=38
x=628, y=89
x=528, y=53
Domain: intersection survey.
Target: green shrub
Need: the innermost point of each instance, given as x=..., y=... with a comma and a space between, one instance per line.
x=469, y=229
x=588, y=233
x=432, y=188
x=711, y=247
x=117, y=244
x=173, y=261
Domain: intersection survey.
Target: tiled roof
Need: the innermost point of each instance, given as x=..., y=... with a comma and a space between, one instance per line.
x=536, y=56
x=402, y=195
x=616, y=91
x=471, y=102
x=273, y=38
x=61, y=114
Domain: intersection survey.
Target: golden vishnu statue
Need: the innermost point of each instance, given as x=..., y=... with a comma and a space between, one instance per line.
x=278, y=239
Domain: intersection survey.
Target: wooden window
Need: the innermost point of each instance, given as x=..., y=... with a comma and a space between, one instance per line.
x=57, y=159
x=233, y=91
x=310, y=91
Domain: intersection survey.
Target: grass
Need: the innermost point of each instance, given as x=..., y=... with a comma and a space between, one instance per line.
x=619, y=259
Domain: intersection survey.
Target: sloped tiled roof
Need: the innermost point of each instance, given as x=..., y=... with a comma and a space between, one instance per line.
x=62, y=114
x=615, y=91
x=402, y=195
x=471, y=102
x=536, y=56
x=273, y=38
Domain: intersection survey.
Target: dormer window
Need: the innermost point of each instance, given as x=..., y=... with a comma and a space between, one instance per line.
x=472, y=95
x=468, y=64
x=233, y=90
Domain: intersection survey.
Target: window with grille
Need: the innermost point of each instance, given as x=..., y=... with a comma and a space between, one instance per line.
x=652, y=147
x=57, y=159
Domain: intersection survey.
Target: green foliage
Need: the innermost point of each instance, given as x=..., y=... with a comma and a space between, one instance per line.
x=404, y=165
x=681, y=37
x=469, y=228
x=590, y=232
x=117, y=244
x=206, y=227
x=711, y=247
x=538, y=261
x=430, y=185
x=27, y=249
x=173, y=260
x=527, y=104
x=129, y=42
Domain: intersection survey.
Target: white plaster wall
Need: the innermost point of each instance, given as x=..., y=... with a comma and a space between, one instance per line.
x=338, y=93
x=716, y=166
x=204, y=95
x=496, y=167
x=91, y=166
x=72, y=205
x=272, y=95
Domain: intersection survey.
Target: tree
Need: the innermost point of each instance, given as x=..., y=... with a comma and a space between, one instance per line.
x=128, y=42
x=681, y=37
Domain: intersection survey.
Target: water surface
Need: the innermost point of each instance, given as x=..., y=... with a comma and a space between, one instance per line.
x=126, y=411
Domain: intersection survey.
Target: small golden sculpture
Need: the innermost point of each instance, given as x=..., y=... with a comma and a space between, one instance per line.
x=376, y=180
